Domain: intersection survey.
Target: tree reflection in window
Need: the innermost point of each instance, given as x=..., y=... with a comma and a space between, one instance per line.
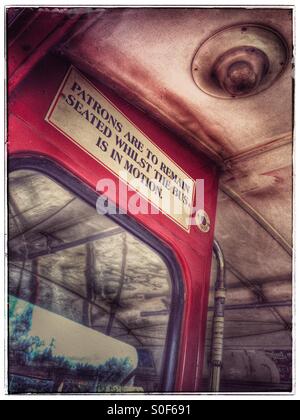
x=80, y=272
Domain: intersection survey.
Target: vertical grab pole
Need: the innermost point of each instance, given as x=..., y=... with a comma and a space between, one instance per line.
x=218, y=321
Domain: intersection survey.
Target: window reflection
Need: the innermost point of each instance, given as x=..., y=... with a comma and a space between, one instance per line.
x=100, y=295
x=44, y=345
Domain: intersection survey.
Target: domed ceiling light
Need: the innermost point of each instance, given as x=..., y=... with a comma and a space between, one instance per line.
x=240, y=61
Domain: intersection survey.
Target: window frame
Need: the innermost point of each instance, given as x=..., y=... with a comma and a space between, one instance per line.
x=68, y=180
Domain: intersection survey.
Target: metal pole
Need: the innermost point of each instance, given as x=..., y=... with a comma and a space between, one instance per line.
x=218, y=321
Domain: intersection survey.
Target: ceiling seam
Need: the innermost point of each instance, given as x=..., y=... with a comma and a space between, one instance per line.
x=256, y=290
x=234, y=196
x=260, y=149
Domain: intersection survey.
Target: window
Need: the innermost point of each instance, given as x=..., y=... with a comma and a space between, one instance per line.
x=89, y=303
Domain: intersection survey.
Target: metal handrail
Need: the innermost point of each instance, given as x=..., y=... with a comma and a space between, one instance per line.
x=218, y=321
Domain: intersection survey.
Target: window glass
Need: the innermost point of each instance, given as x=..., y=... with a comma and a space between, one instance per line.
x=89, y=304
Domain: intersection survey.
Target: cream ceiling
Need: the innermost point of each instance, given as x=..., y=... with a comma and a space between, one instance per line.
x=148, y=54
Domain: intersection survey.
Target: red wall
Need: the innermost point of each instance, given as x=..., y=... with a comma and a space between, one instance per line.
x=29, y=134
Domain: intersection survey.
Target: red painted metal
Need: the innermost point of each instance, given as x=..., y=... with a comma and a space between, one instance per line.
x=28, y=47
x=30, y=135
